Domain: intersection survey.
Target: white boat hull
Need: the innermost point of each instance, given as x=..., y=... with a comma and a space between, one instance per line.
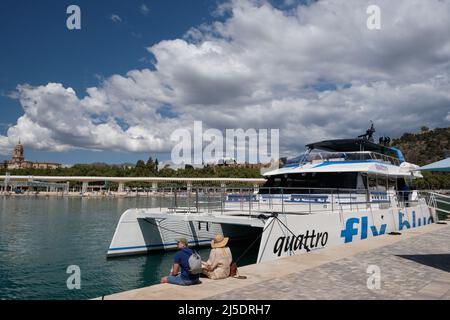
x=142, y=231
x=291, y=234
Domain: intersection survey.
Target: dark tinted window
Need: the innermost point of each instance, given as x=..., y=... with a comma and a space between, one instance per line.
x=290, y=182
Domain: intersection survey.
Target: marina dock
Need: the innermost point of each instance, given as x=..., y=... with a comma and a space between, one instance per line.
x=60, y=184
x=413, y=265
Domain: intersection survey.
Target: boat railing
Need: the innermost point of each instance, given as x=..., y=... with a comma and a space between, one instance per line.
x=254, y=201
x=440, y=201
x=316, y=157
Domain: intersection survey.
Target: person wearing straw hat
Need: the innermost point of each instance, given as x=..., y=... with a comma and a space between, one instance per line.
x=220, y=258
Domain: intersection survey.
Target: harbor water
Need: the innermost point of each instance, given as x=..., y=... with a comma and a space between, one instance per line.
x=40, y=237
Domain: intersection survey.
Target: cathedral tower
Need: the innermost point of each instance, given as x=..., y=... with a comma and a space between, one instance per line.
x=18, y=153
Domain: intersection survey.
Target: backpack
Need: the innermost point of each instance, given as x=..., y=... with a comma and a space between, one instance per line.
x=195, y=263
x=234, y=271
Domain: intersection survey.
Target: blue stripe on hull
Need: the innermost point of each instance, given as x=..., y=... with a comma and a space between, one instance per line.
x=155, y=245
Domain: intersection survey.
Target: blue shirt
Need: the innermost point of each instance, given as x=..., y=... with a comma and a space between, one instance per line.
x=182, y=258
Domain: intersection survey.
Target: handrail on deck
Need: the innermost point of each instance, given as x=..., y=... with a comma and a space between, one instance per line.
x=257, y=200
x=350, y=156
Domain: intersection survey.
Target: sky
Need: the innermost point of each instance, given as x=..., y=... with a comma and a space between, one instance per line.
x=116, y=90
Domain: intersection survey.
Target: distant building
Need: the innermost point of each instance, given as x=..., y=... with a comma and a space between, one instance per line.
x=231, y=162
x=226, y=162
x=170, y=165
x=18, y=161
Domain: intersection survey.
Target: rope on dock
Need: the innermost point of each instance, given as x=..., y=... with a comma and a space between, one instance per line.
x=261, y=216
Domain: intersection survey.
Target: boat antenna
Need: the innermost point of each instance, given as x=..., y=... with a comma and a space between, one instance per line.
x=369, y=133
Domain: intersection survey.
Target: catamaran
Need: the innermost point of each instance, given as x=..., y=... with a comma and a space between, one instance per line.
x=337, y=192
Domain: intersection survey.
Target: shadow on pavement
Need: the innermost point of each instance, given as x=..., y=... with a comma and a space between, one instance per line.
x=438, y=261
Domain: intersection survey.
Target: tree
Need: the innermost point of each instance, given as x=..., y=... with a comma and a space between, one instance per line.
x=152, y=166
x=150, y=163
x=140, y=168
x=140, y=164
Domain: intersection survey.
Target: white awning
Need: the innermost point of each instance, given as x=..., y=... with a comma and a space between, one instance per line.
x=440, y=166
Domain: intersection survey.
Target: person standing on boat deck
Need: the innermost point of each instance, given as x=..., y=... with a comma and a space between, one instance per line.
x=180, y=273
x=220, y=259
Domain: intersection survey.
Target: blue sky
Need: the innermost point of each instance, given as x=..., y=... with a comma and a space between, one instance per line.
x=117, y=89
x=37, y=48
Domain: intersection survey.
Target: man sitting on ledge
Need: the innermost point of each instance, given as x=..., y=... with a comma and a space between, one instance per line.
x=180, y=273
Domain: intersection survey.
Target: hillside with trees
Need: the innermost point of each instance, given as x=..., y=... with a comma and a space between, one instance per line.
x=425, y=147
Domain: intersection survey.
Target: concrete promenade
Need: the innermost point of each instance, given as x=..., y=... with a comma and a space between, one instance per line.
x=121, y=181
x=413, y=265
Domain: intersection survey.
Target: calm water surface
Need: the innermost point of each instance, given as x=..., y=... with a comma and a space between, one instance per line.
x=40, y=237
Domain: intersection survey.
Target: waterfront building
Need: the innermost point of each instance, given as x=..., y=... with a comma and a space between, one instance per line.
x=18, y=161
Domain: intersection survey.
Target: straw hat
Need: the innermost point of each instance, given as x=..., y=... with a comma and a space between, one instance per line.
x=219, y=241
x=182, y=240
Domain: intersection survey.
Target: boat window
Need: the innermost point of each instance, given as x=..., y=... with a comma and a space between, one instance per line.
x=358, y=156
x=361, y=183
x=372, y=183
x=295, y=161
x=315, y=157
x=392, y=183
x=300, y=183
x=382, y=183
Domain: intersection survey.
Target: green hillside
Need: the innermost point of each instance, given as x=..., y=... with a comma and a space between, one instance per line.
x=425, y=147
